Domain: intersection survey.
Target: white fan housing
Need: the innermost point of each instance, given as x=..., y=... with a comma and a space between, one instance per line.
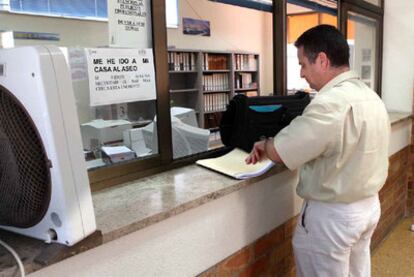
x=38, y=77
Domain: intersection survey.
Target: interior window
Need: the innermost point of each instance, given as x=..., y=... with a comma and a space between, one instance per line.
x=111, y=64
x=300, y=19
x=362, y=38
x=218, y=51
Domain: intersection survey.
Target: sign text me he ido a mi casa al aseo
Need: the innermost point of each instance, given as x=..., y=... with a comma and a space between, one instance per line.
x=120, y=75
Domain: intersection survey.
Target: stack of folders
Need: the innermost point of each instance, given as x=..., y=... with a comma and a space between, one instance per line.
x=233, y=164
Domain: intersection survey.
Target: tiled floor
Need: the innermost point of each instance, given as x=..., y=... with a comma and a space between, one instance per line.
x=395, y=256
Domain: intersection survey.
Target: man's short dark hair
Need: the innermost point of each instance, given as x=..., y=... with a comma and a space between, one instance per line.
x=327, y=39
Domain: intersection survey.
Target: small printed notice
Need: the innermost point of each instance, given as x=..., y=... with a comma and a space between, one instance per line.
x=120, y=75
x=77, y=64
x=129, y=23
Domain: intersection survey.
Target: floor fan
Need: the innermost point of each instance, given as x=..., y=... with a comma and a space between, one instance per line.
x=44, y=186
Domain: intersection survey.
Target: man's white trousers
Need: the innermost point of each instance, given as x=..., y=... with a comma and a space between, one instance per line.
x=333, y=239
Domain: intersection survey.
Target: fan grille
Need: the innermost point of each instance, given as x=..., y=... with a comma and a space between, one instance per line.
x=25, y=186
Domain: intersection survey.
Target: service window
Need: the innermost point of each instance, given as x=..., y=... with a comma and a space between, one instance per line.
x=110, y=52
x=219, y=50
x=114, y=84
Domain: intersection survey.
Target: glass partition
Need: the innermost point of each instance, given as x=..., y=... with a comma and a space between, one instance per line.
x=362, y=39
x=300, y=19
x=217, y=52
x=109, y=51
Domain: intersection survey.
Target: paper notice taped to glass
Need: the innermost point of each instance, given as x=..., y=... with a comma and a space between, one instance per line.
x=233, y=164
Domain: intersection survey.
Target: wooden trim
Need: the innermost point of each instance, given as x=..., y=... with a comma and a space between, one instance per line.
x=380, y=43
x=279, y=48
x=159, y=34
x=342, y=18
x=367, y=6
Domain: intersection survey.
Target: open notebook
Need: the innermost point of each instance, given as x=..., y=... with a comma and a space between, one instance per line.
x=233, y=164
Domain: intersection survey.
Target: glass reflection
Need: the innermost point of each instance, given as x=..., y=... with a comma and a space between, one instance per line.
x=362, y=37
x=299, y=19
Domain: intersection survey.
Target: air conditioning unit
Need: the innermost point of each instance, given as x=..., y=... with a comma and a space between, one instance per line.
x=44, y=186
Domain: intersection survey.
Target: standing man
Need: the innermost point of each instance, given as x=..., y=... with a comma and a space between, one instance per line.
x=340, y=144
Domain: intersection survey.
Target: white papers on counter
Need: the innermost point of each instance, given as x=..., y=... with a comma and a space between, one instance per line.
x=117, y=153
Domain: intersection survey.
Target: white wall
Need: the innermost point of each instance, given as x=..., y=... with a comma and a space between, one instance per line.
x=232, y=28
x=398, y=58
x=400, y=136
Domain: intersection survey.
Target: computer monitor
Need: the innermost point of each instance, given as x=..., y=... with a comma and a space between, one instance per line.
x=186, y=115
x=149, y=133
x=187, y=140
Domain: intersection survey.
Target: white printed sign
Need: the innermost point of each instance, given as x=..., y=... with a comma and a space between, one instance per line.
x=129, y=23
x=120, y=75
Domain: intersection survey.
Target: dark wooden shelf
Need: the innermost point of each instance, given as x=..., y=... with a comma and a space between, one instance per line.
x=216, y=91
x=216, y=71
x=215, y=111
x=183, y=90
x=246, y=70
x=182, y=71
x=214, y=129
x=245, y=89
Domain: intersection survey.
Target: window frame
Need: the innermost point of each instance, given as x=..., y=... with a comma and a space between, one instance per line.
x=375, y=13
x=257, y=5
x=116, y=174
x=100, y=178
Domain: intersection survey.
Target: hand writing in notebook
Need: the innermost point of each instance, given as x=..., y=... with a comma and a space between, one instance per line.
x=258, y=152
x=263, y=149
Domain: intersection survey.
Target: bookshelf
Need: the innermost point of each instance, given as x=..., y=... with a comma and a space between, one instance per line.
x=206, y=81
x=246, y=73
x=216, y=87
x=184, y=80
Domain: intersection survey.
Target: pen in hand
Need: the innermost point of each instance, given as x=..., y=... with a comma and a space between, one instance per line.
x=258, y=151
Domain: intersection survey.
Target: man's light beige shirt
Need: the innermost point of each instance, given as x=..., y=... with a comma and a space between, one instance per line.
x=340, y=143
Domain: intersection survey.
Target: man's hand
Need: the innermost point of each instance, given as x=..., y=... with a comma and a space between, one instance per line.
x=263, y=149
x=258, y=153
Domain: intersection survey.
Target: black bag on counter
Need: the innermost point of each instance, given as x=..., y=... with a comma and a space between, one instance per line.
x=247, y=119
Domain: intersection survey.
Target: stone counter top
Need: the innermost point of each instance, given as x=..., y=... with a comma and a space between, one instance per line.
x=129, y=207
x=396, y=117
x=135, y=205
